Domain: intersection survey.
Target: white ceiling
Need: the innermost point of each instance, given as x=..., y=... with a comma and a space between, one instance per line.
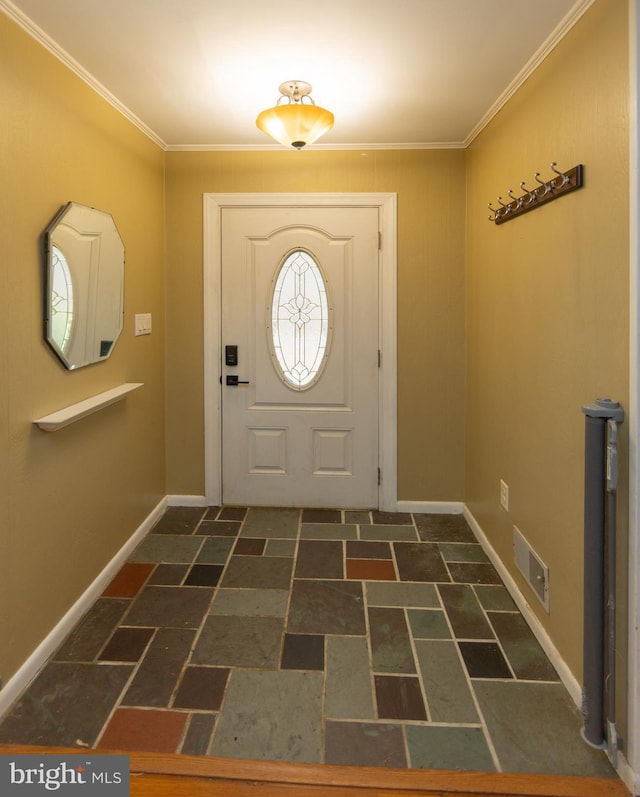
x=396, y=73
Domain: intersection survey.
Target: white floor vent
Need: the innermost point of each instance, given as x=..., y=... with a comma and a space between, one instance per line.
x=532, y=567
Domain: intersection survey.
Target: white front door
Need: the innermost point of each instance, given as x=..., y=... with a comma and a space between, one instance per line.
x=300, y=313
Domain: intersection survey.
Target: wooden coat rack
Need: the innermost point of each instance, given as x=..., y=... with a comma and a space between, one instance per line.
x=563, y=183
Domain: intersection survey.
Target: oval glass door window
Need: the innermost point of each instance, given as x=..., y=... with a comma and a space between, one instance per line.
x=300, y=320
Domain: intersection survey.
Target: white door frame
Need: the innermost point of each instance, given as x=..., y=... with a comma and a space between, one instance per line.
x=387, y=264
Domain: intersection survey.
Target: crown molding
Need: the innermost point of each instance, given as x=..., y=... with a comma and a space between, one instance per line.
x=315, y=147
x=530, y=67
x=62, y=55
x=576, y=12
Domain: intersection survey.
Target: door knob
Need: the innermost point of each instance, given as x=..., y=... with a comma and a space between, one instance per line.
x=233, y=381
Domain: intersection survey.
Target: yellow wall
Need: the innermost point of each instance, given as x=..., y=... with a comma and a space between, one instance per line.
x=430, y=188
x=493, y=364
x=547, y=310
x=70, y=499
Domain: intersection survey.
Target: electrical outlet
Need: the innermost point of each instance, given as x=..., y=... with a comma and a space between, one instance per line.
x=504, y=495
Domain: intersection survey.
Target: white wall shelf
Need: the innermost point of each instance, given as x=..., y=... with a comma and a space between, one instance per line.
x=74, y=412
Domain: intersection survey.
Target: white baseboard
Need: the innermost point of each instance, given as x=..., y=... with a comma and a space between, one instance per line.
x=28, y=671
x=186, y=500
x=566, y=676
x=431, y=507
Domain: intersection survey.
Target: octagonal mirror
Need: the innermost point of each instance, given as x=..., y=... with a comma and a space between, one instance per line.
x=84, y=292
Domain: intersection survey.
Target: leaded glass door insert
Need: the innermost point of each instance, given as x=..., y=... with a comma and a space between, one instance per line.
x=300, y=320
x=61, y=300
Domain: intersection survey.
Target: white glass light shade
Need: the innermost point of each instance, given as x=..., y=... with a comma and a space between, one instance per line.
x=295, y=124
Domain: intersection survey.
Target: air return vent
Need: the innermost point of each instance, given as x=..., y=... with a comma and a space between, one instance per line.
x=532, y=567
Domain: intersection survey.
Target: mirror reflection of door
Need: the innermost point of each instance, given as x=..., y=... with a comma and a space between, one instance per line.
x=61, y=301
x=85, y=285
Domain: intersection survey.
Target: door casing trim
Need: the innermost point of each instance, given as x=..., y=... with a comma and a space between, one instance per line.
x=387, y=265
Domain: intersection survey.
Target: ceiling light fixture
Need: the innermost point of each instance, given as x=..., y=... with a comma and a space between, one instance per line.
x=297, y=123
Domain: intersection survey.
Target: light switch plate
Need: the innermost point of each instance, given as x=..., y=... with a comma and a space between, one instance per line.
x=143, y=324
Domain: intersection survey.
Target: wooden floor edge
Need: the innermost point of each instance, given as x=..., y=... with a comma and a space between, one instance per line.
x=452, y=782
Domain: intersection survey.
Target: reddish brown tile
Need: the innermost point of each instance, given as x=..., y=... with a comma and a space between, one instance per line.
x=129, y=581
x=248, y=546
x=145, y=730
x=371, y=570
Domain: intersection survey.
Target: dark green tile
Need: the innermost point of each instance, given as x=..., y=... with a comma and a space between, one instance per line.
x=160, y=669
x=363, y=549
x=484, y=660
x=328, y=531
x=320, y=559
x=465, y=613
x=302, y=652
x=67, y=702
x=494, y=598
x=198, y=734
x=219, y=528
x=179, y=520
x=444, y=528
x=168, y=575
x=357, y=516
x=391, y=518
x=171, y=548
x=215, y=551
x=278, y=523
x=258, y=572
x=321, y=516
x=174, y=607
x=419, y=561
x=474, y=573
x=90, y=635
x=462, y=552
x=230, y=641
x=326, y=607
x=203, y=575
x=528, y=660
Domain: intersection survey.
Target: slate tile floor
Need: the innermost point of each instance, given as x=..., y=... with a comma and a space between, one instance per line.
x=322, y=636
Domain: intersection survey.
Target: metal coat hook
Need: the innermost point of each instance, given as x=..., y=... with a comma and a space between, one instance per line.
x=530, y=195
x=546, y=186
x=532, y=198
x=565, y=179
x=517, y=200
